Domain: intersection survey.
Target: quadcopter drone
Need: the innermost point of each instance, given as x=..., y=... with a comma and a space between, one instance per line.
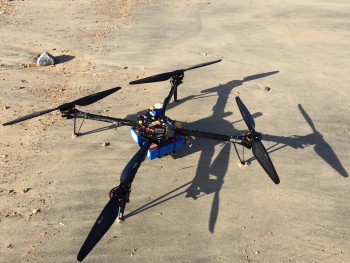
x=157, y=136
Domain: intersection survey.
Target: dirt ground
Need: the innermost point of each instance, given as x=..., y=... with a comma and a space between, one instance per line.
x=287, y=60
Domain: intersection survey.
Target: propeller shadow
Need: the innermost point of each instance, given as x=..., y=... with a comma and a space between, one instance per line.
x=321, y=147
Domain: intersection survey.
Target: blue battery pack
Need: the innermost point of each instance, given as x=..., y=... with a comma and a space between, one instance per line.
x=158, y=151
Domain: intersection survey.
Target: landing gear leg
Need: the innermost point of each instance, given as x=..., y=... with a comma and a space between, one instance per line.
x=239, y=157
x=75, y=127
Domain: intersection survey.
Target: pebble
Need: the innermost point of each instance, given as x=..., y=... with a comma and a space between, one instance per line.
x=36, y=210
x=45, y=59
x=25, y=190
x=10, y=246
x=6, y=107
x=267, y=88
x=105, y=144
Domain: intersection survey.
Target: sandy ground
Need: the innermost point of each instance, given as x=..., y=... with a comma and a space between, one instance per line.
x=199, y=205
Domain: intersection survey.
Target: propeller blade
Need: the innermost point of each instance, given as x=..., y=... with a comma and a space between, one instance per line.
x=248, y=118
x=111, y=210
x=307, y=118
x=203, y=64
x=81, y=102
x=87, y=100
x=263, y=158
x=154, y=78
x=101, y=226
x=29, y=116
x=129, y=172
x=168, y=75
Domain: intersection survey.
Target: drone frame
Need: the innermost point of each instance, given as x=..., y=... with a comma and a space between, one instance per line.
x=119, y=195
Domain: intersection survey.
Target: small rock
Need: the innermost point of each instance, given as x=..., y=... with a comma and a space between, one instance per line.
x=45, y=59
x=11, y=191
x=4, y=156
x=105, y=144
x=6, y=107
x=267, y=88
x=10, y=246
x=25, y=190
x=36, y=210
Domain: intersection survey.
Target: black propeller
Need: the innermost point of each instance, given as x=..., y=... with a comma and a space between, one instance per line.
x=111, y=210
x=247, y=117
x=168, y=75
x=80, y=102
x=258, y=148
x=101, y=226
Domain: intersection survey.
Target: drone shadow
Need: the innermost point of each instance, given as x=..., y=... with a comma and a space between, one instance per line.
x=211, y=170
x=321, y=147
x=157, y=201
